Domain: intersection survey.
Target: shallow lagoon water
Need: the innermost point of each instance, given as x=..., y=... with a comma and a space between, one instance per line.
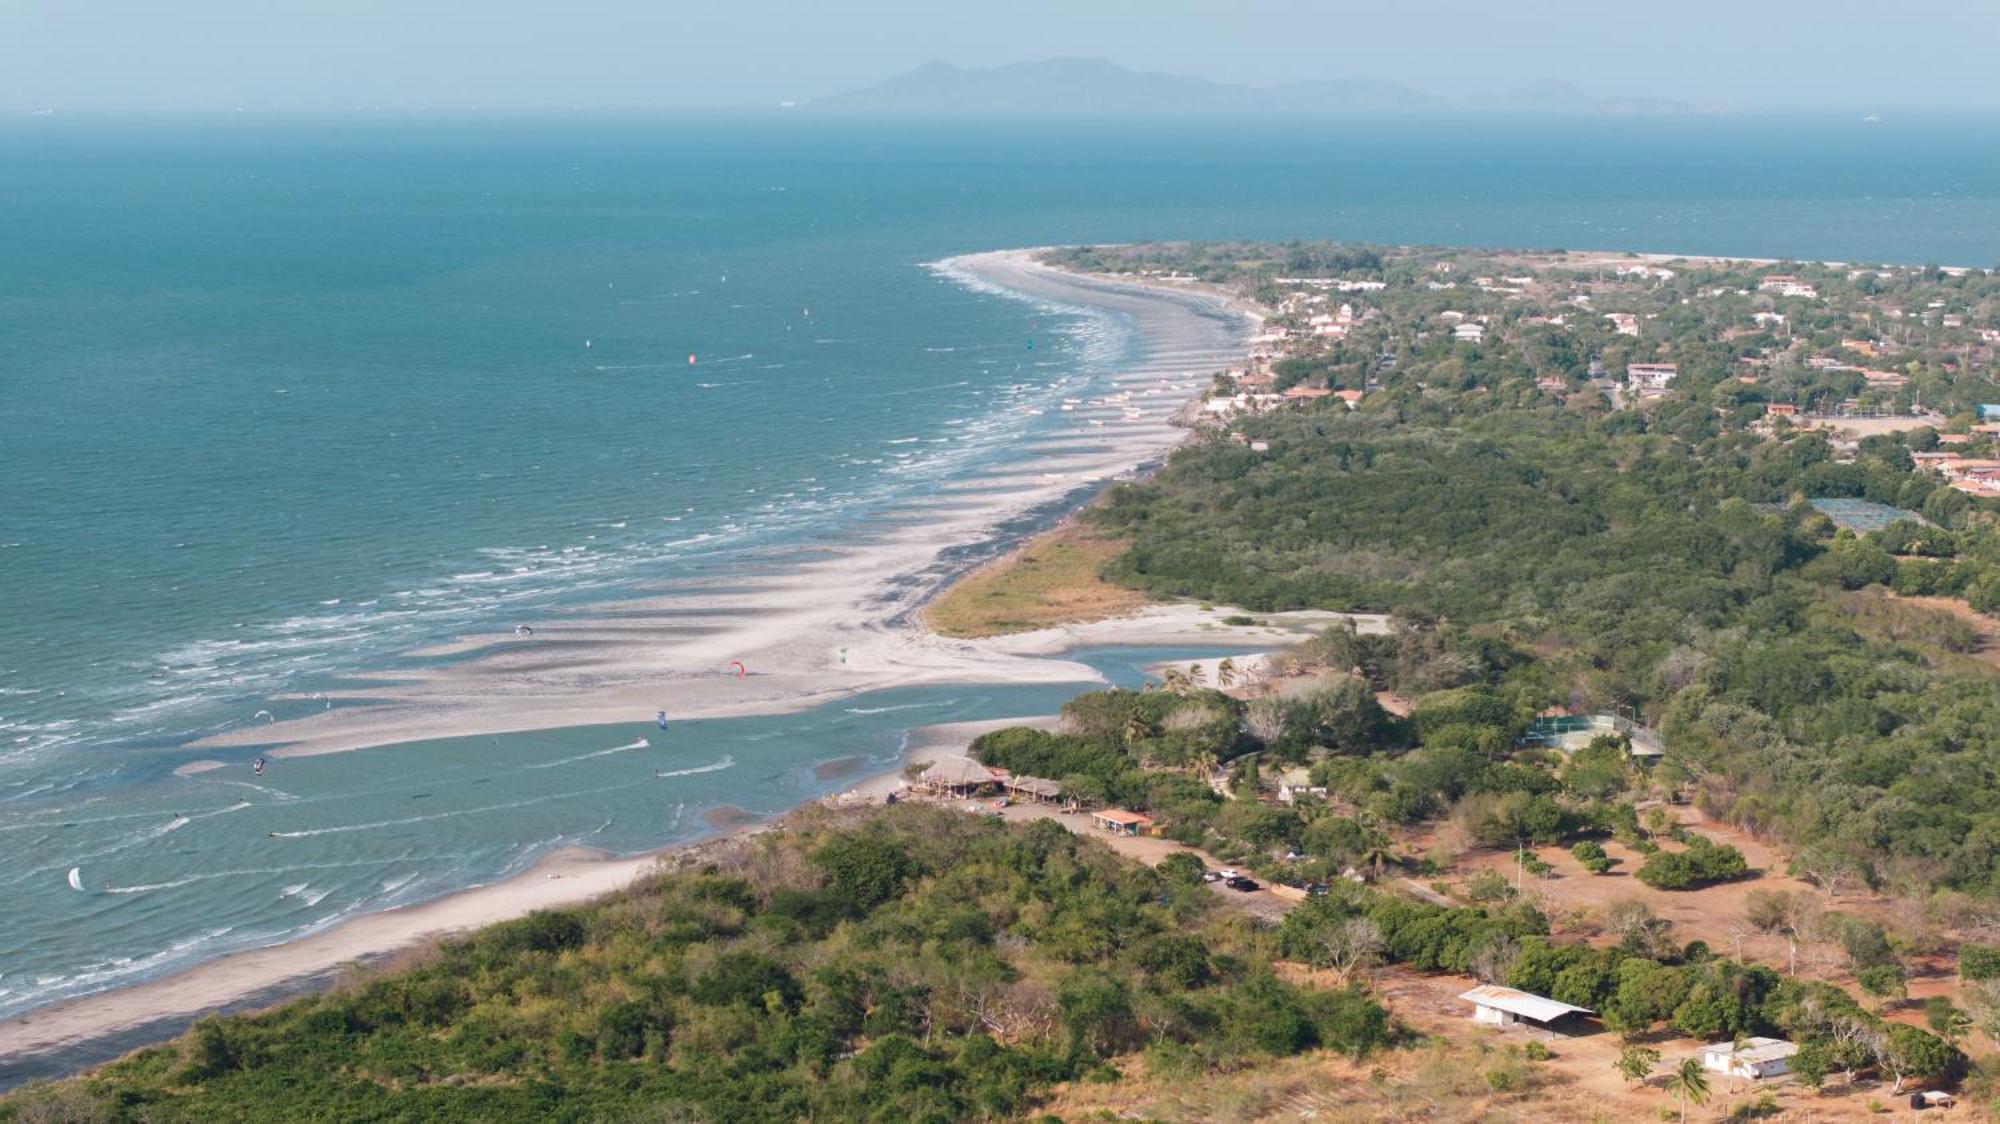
x=182, y=868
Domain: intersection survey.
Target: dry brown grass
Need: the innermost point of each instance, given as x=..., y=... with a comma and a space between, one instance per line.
x=1054, y=579
x=1439, y=1080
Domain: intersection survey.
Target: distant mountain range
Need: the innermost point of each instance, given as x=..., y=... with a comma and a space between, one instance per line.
x=1096, y=86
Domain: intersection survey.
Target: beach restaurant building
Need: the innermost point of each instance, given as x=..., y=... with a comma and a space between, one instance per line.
x=958, y=776
x=1118, y=821
x=1034, y=789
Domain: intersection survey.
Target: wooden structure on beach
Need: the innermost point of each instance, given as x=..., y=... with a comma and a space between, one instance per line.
x=958, y=776
x=1034, y=789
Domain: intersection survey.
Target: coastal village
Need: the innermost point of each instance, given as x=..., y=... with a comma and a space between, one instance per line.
x=1841, y=356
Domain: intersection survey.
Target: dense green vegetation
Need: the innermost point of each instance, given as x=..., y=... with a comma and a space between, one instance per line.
x=1550, y=550
x=904, y=964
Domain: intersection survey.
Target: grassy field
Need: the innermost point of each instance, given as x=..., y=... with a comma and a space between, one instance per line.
x=1054, y=579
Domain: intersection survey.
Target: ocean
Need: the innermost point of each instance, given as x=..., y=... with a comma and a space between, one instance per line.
x=286, y=400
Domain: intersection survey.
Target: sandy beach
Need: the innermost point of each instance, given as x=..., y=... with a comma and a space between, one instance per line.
x=819, y=624
x=67, y=1036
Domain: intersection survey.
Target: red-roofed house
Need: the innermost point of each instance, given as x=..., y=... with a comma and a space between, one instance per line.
x=1118, y=821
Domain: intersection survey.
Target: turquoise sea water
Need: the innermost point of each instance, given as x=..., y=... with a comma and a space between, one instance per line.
x=280, y=400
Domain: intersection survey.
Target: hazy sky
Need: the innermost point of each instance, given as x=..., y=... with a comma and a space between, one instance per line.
x=444, y=54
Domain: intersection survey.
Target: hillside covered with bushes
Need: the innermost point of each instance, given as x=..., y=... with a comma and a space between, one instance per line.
x=899, y=964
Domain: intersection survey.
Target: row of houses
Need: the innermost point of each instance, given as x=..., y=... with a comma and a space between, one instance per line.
x=1975, y=476
x=1229, y=405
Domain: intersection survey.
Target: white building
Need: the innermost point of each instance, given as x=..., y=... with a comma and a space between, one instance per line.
x=1469, y=332
x=1757, y=1059
x=1493, y=1005
x=1786, y=285
x=1650, y=378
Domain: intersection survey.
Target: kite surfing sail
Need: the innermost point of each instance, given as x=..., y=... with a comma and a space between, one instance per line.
x=661, y=718
x=738, y=668
x=76, y=878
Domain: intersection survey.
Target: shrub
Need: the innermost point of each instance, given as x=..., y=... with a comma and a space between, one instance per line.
x=1488, y=886
x=1096, y=1010
x=1703, y=863
x=207, y=1052
x=1979, y=962
x=1884, y=981
x=1864, y=941
x=865, y=870
x=1767, y=910
x=1176, y=959
x=622, y=1027
x=1181, y=869
x=545, y=930
x=1591, y=856
x=745, y=978
x=1668, y=870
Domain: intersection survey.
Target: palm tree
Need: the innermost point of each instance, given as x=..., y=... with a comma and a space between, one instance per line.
x=1196, y=677
x=1687, y=1083
x=1225, y=673
x=1177, y=680
x=1137, y=729
x=1376, y=855
x=1203, y=763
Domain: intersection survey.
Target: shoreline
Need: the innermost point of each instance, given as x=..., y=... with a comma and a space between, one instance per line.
x=808, y=649
x=76, y=1034
x=842, y=620
x=120, y=1020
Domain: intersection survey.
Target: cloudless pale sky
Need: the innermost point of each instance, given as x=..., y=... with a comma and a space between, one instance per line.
x=179, y=55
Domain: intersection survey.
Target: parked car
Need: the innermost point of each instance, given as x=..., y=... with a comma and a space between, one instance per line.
x=1316, y=889
x=1211, y=876
x=1226, y=874
x=1241, y=883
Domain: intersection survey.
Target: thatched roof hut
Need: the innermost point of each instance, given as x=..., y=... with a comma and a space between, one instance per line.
x=956, y=775
x=1034, y=788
